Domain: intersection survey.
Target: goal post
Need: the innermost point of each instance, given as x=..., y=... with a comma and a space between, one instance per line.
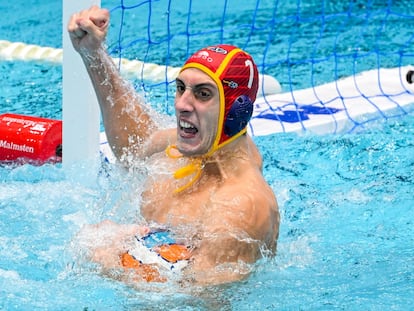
x=80, y=112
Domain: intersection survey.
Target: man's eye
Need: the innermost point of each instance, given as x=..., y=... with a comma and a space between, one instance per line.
x=180, y=88
x=202, y=94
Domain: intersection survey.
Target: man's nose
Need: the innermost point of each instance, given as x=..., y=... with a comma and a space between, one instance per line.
x=185, y=101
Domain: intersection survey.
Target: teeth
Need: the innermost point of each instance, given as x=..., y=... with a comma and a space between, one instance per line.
x=185, y=125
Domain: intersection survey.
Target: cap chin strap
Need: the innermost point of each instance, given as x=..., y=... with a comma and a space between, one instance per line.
x=197, y=164
x=195, y=168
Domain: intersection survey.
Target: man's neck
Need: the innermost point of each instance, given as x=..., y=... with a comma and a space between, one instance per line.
x=225, y=159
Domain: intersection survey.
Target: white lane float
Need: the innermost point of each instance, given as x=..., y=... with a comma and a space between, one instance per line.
x=339, y=106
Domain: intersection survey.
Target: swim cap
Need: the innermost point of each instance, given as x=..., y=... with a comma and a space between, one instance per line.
x=236, y=77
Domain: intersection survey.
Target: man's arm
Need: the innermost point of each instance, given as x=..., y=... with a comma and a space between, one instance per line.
x=126, y=119
x=222, y=259
x=242, y=229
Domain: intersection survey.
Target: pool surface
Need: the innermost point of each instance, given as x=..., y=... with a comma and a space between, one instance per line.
x=346, y=201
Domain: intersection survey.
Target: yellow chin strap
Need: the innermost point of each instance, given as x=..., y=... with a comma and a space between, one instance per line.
x=196, y=165
x=195, y=168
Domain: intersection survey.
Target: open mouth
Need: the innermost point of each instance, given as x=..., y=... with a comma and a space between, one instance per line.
x=188, y=128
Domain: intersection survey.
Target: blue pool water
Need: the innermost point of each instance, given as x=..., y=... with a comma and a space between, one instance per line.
x=347, y=209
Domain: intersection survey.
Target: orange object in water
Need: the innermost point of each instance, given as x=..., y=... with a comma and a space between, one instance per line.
x=173, y=252
x=26, y=139
x=147, y=272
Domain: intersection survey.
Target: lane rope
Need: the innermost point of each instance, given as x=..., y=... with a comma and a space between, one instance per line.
x=130, y=69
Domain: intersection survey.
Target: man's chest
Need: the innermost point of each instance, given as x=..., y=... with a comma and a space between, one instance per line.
x=162, y=205
x=161, y=202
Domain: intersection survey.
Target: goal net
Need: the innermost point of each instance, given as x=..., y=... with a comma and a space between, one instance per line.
x=340, y=64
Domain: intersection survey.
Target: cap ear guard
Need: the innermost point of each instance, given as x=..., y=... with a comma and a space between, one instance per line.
x=238, y=116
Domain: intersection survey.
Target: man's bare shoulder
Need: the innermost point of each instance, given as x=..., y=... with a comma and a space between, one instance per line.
x=249, y=207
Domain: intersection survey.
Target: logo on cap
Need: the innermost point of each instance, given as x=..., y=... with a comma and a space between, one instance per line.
x=231, y=84
x=217, y=49
x=203, y=55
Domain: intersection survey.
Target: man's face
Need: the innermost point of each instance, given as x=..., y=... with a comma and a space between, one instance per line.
x=197, y=109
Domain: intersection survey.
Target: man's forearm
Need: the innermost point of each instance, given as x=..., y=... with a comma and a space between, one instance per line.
x=125, y=119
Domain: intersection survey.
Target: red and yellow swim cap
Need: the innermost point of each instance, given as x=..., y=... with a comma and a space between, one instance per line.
x=236, y=77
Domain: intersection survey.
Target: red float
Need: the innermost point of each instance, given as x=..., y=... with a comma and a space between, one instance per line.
x=27, y=139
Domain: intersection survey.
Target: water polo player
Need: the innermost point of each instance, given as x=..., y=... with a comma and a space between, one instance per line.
x=205, y=187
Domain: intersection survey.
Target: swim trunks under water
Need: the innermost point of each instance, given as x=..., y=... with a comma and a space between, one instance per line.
x=153, y=252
